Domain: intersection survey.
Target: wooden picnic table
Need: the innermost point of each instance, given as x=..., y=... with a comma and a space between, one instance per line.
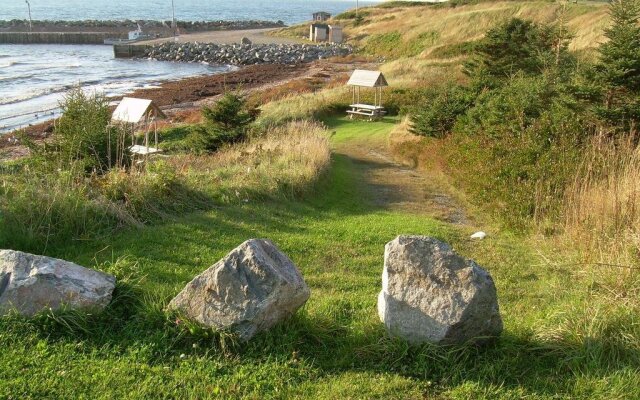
x=373, y=112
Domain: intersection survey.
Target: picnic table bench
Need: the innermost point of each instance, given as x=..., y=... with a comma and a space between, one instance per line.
x=373, y=112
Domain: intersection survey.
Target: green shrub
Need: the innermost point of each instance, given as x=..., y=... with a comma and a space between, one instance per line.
x=351, y=14
x=83, y=136
x=180, y=139
x=42, y=209
x=399, y=100
x=227, y=121
x=517, y=149
x=402, y=4
x=517, y=46
x=442, y=111
x=619, y=67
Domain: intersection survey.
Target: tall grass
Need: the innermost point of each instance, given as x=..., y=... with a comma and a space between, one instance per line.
x=39, y=209
x=603, y=205
x=447, y=25
x=303, y=107
x=284, y=161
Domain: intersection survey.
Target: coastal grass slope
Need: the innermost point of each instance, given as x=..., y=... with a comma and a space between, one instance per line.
x=396, y=29
x=336, y=347
x=572, y=327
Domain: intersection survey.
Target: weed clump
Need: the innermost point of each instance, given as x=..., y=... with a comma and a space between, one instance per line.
x=70, y=189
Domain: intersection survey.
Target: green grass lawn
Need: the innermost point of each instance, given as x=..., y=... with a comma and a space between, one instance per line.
x=335, y=347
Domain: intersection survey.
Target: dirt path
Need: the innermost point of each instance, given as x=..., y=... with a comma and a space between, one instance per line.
x=394, y=186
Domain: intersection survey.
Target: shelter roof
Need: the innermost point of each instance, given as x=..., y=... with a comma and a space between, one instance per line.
x=365, y=78
x=134, y=110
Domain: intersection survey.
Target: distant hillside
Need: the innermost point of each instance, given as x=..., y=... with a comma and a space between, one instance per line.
x=395, y=29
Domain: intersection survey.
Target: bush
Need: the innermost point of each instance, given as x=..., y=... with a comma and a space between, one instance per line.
x=517, y=46
x=44, y=209
x=399, y=100
x=83, y=137
x=402, y=4
x=226, y=122
x=437, y=119
x=41, y=208
x=518, y=148
x=619, y=67
x=180, y=139
x=351, y=14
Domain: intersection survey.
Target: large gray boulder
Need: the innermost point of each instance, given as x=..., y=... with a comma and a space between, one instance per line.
x=31, y=283
x=251, y=289
x=431, y=294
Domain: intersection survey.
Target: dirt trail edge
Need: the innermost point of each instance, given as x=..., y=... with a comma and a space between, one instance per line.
x=397, y=187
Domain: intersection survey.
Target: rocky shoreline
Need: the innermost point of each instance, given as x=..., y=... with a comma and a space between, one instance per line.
x=246, y=53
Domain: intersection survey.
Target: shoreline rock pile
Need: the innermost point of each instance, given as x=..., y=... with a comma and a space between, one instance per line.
x=245, y=54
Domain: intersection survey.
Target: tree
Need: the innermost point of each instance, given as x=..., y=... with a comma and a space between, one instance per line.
x=82, y=135
x=444, y=108
x=619, y=66
x=226, y=121
x=517, y=46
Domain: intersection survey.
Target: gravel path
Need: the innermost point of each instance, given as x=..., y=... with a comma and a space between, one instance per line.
x=257, y=36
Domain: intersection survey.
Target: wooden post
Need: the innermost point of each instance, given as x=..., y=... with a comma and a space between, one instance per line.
x=155, y=130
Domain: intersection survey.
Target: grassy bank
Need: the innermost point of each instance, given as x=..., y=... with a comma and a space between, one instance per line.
x=41, y=207
x=335, y=347
x=567, y=283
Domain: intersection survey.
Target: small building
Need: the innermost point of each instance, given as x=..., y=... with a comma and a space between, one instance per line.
x=321, y=16
x=325, y=33
x=139, y=114
x=335, y=34
x=367, y=79
x=318, y=32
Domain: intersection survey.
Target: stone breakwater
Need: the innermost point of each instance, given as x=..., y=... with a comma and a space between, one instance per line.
x=245, y=54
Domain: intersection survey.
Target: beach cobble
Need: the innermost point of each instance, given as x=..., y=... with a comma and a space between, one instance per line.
x=245, y=54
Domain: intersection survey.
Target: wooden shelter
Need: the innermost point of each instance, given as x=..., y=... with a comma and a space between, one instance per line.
x=367, y=79
x=319, y=32
x=138, y=115
x=321, y=16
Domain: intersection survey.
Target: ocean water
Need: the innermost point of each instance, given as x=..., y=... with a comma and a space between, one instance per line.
x=34, y=78
x=290, y=11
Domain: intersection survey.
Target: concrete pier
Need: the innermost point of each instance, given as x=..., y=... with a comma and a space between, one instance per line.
x=129, y=50
x=57, y=37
